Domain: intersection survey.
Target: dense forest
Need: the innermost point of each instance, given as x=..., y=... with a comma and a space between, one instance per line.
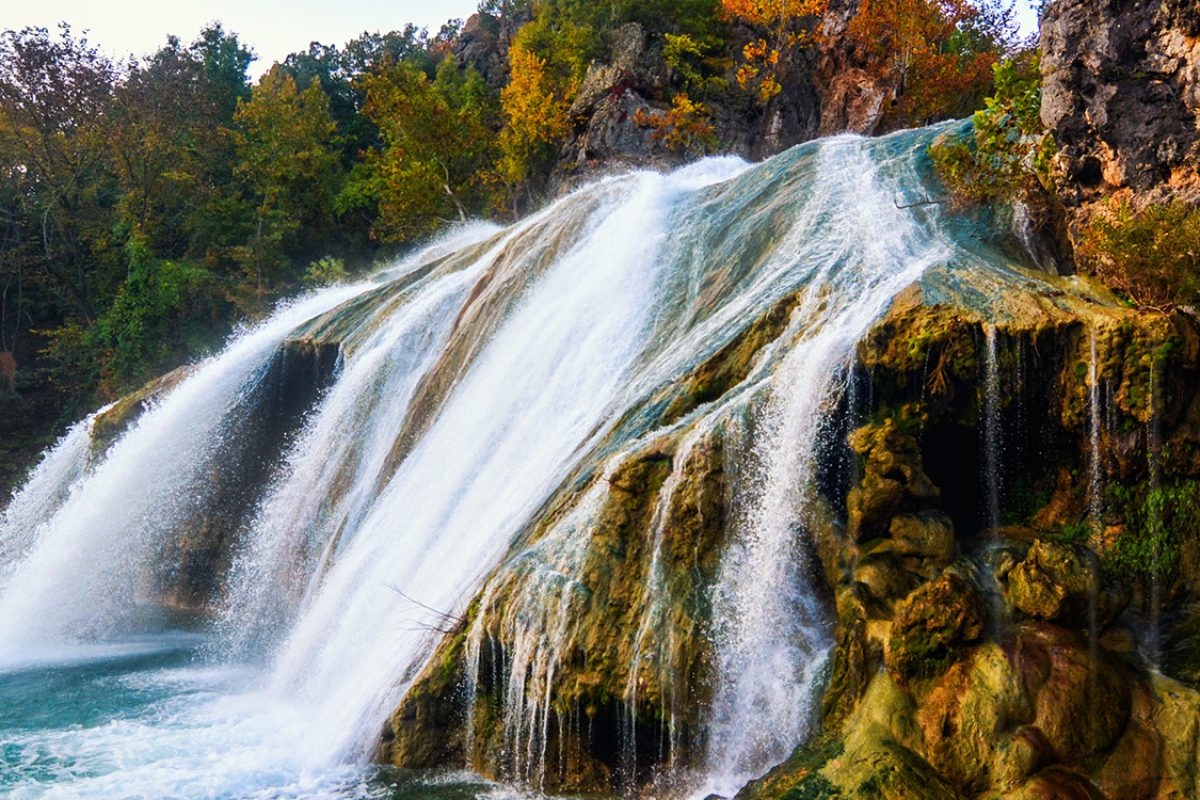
x=150, y=204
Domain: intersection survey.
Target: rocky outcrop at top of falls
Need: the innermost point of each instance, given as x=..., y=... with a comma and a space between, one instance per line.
x=1121, y=95
x=825, y=91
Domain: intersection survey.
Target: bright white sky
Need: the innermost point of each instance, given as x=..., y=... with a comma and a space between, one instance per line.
x=273, y=28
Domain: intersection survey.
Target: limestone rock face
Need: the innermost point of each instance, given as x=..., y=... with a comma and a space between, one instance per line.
x=1121, y=95
x=606, y=110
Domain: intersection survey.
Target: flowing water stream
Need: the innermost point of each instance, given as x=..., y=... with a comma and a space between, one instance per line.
x=472, y=381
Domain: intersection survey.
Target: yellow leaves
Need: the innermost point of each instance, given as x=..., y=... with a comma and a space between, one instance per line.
x=685, y=126
x=528, y=102
x=760, y=70
x=772, y=13
x=535, y=115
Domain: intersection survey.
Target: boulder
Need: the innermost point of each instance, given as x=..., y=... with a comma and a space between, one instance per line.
x=932, y=624
x=1063, y=583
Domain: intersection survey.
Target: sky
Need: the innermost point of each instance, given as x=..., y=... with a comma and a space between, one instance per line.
x=273, y=28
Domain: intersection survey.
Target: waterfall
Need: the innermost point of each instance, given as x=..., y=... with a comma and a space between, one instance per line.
x=80, y=580
x=771, y=640
x=649, y=651
x=1154, y=522
x=478, y=381
x=43, y=493
x=993, y=447
x=1095, y=509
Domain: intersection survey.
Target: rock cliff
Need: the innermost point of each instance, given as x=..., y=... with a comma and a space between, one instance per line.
x=1121, y=95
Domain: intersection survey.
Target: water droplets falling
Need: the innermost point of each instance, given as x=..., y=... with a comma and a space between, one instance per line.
x=993, y=447
x=1095, y=484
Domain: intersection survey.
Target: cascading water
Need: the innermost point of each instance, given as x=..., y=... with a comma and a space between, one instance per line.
x=772, y=640
x=474, y=383
x=80, y=579
x=43, y=494
x=993, y=453
x=1095, y=482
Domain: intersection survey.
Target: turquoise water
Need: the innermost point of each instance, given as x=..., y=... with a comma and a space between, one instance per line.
x=152, y=717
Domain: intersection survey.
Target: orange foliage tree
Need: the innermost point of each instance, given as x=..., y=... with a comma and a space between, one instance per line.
x=760, y=69
x=935, y=55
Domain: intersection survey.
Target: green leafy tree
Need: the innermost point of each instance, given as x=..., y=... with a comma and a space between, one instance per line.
x=55, y=93
x=165, y=120
x=288, y=161
x=1006, y=156
x=163, y=310
x=438, y=143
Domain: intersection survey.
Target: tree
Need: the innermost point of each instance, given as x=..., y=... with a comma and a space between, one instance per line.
x=162, y=311
x=288, y=162
x=437, y=146
x=535, y=119
x=165, y=122
x=763, y=58
x=55, y=95
x=224, y=62
x=936, y=56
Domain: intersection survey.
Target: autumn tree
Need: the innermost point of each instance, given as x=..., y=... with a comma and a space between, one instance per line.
x=535, y=120
x=289, y=163
x=935, y=56
x=686, y=127
x=787, y=25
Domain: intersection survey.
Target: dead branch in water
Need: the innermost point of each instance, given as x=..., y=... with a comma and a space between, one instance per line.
x=928, y=201
x=446, y=623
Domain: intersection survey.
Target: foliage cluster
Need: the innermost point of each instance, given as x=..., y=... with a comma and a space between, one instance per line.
x=1006, y=157
x=1152, y=255
x=1159, y=520
x=934, y=56
x=788, y=25
x=685, y=127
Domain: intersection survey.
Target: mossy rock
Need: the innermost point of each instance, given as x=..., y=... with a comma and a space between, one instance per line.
x=1082, y=700
x=1063, y=583
x=926, y=536
x=108, y=426
x=931, y=627
x=967, y=718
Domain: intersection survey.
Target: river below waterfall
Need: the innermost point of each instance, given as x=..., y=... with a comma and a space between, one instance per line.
x=152, y=716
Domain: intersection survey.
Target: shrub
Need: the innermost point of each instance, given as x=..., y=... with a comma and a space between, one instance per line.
x=683, y=128
x=1006, y=157
x=1151, y=255
x=325, y=272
